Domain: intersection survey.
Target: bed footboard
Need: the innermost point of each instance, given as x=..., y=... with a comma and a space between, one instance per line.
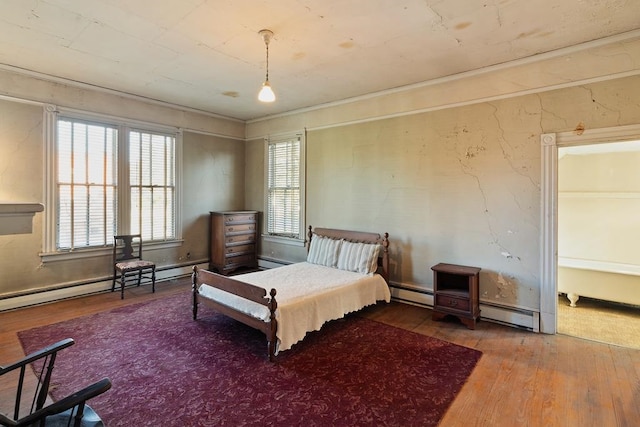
x=244, y=290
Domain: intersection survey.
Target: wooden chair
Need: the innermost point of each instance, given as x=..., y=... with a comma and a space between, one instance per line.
x=69, y=411
x=129, y=265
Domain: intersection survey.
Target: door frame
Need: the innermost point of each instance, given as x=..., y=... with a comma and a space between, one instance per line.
x=550, y=142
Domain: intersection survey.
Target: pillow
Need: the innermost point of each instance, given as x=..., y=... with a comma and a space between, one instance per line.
x=359, y=257
x=324, y=251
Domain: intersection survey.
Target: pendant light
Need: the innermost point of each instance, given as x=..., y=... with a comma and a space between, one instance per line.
x=266, y=93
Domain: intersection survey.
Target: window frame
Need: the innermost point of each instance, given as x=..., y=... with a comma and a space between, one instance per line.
x=51, y=114
x=300, y=239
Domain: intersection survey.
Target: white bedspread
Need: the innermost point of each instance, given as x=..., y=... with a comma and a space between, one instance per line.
x=308, y=295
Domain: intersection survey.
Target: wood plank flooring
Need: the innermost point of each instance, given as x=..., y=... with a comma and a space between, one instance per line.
x=522, y=379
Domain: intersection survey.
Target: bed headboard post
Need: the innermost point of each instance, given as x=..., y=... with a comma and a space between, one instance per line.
x=194, y=291
x=309, y=237
x=385, y=257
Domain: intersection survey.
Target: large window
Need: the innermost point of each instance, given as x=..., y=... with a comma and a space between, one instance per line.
x=152, y=185
x=108, y=177
x=285, y=187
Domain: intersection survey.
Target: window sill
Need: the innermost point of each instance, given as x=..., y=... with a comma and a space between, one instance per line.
x=284, y=240
x=104, y=251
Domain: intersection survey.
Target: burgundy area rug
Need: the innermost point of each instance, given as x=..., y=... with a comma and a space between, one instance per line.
x=169, y=370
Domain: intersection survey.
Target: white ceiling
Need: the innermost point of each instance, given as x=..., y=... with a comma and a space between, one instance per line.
x=207, y=54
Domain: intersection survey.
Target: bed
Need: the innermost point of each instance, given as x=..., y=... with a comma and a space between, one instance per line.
x=344, y=272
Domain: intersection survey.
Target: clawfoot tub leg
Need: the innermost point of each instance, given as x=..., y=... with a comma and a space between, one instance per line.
x=573, y=299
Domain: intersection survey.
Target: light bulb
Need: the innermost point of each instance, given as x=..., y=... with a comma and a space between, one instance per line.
x=266, y=93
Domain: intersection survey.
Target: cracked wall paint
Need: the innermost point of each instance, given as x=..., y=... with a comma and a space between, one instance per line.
x=460, y=185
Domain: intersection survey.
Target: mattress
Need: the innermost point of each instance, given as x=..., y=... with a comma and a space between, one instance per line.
x=308, y=295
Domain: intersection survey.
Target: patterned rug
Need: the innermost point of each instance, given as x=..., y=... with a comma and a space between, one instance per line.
x=169, y=370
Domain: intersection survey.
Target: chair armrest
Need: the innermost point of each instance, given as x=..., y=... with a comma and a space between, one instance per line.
x=53, y=348
x=7, y=421
x=69, y=402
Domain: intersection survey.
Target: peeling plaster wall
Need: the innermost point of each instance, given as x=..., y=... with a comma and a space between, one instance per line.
x=458, y=185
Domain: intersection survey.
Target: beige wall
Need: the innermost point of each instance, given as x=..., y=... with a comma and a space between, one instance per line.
x=213, y=179
x=458, y=185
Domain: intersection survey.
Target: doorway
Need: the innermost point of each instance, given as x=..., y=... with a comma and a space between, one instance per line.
x=598, y=229
x=550, y=143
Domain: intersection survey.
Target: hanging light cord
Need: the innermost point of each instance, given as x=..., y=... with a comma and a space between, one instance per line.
x=266, y=42
x=266, y=93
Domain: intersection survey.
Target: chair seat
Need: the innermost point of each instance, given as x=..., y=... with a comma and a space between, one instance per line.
x=134, y=265
x=89, y=419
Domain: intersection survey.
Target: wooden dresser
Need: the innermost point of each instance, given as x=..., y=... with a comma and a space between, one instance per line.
x=233, y=240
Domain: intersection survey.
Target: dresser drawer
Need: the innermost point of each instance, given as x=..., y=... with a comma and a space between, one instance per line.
x=239, y=218
x=446, y=301
x=238, y=239
x=240, y=228
x=239, y=250
x=247, y=259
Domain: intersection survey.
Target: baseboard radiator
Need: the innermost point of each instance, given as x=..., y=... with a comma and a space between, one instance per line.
x=503, y=314
x=78, y=289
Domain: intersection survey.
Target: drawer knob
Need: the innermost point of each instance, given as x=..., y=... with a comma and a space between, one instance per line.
x=453, y=303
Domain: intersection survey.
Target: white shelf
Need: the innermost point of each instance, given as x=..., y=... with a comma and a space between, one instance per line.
x=17, y=217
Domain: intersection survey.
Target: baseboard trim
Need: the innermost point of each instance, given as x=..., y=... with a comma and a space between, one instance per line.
x=510, y=316
x=75, y=290
x=265, y=263
x=516, y=317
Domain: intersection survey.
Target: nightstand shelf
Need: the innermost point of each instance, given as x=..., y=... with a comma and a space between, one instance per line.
x=456, y=293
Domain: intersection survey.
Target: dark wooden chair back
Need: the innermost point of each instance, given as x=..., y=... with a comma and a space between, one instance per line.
x=131, y=247
x=68, y=411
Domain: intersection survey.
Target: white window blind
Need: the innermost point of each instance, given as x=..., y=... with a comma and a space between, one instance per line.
x=152, y=184
x=86, y=184
x=284, y=189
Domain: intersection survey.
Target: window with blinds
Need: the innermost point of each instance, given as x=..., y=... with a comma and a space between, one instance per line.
x=92, y=205
x=152, y=185
x=285, y=186
x=86, y=184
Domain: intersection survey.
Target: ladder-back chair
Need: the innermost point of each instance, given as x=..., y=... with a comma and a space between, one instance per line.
x=128, y=265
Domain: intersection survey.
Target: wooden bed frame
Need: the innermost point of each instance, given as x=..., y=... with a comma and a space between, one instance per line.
x=259, y=295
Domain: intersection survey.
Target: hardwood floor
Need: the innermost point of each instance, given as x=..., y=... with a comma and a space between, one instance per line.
x=522, y=379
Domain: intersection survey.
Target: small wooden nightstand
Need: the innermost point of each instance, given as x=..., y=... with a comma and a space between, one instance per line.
x=456, y=293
